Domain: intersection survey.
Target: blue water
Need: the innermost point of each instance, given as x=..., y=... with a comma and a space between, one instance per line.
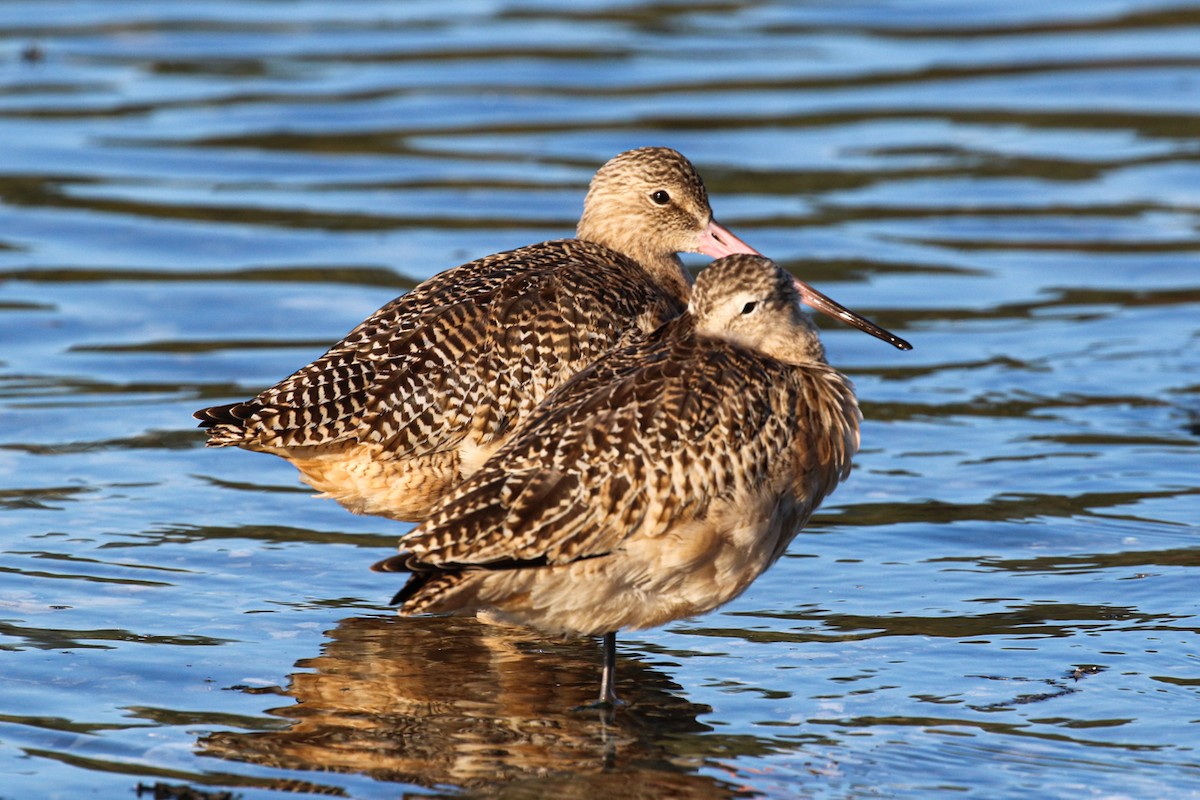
x=196, y=199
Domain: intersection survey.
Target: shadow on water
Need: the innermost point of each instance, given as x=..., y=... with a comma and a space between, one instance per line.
x=440, y=702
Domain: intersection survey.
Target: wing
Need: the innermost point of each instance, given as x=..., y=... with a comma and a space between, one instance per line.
x=452, y=355
x=664, y=438
x=479, y=368
x=323, y=402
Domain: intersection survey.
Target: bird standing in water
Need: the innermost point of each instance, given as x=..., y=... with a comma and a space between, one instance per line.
x=418, y=395
x=657, y=483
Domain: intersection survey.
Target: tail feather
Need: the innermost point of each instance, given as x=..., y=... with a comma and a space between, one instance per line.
x=429, y=587
x=424, y=591
x=231, y=414
x=401, y=562
x=424, y=586
x=396, y=563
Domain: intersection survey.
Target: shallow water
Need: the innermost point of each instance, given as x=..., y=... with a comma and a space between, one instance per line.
x=196, y=198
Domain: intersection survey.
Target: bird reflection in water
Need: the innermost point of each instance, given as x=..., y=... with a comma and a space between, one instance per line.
x=441, y=702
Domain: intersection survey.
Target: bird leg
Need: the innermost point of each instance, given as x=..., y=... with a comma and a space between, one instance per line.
x=608, y=677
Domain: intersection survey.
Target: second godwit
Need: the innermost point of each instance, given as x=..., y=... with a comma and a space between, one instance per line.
x=420, y=393
x=657, y=483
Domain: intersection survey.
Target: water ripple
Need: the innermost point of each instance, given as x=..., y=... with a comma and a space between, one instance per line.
x=196, y=200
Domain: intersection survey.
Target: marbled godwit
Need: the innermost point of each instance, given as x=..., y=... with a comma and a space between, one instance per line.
x=657, y=483
x=420, y=393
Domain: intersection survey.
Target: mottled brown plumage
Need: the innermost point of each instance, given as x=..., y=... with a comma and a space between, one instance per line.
x=657, y=483
x=420, y=393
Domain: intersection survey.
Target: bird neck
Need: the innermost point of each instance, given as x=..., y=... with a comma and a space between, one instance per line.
x=668, y=272
x=664, y=268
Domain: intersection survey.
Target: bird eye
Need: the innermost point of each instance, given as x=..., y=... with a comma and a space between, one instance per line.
x=749, y=307
x=661, y=197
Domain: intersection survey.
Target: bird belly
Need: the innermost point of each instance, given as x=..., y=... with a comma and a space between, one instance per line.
x=649, y=582
x=365, y=480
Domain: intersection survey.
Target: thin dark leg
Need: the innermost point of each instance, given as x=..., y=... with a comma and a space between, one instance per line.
x=608, y=678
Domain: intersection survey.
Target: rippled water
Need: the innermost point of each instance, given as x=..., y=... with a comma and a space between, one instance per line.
x=196, y=198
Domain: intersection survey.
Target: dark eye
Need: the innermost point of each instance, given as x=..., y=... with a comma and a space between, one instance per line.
x=661, y=197
x=749, y=307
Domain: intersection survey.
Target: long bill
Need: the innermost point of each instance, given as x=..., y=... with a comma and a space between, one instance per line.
x=821, y=303
x=717, y=241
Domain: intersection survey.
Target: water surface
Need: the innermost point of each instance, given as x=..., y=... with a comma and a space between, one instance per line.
x=195, y=199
